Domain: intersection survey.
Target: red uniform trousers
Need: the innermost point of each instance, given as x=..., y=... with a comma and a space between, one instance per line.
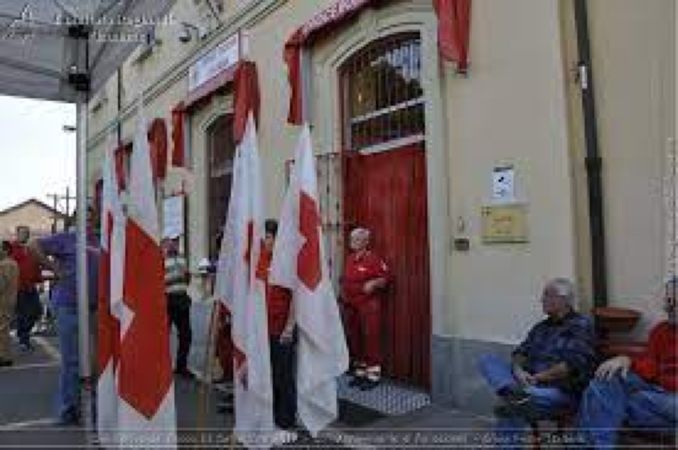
x=363, y=330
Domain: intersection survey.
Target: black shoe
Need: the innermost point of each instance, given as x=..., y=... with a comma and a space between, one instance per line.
x=357, y=381
x=225, y=407
x=6, y=362
x=68, y=419
x=221, y=380
x=368, y=385
x=185, y=373
x=516, y=397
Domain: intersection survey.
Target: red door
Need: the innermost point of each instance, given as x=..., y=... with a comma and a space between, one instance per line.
x=386, y=192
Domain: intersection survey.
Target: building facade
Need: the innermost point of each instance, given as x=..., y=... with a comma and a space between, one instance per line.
x=475, y=184
x=41, y=219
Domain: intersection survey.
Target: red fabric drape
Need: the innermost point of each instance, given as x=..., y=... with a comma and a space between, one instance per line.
x=121, y=154
x=292, y=57
x=453, y=39
x=246, y=97
x=454, y=17
x=178, y=113
x=157, y=140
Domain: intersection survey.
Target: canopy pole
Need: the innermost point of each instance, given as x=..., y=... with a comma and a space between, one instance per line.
x=83, y=301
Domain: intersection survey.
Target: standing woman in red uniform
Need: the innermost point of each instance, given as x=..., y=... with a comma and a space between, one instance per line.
x=366, y=276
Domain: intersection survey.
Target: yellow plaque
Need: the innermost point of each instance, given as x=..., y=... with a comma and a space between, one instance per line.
x=504, y=223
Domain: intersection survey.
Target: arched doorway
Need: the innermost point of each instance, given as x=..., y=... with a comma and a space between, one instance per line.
x=220, y=153
x=385, y=188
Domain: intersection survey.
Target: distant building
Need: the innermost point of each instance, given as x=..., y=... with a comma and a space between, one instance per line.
x=36, y=215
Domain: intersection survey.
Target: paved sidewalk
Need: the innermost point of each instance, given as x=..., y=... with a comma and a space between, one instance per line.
x=28, y=391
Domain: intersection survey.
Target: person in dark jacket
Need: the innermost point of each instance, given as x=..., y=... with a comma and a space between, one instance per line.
x=548, y=370
x=282, y=334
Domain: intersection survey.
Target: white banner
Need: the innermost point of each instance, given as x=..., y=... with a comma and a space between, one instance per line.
x=173, y=216
x=222, y=57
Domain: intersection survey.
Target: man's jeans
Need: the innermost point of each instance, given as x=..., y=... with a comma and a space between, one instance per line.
x=69, y=379
x=545, y=400
x=606, y=404
x=28, y=311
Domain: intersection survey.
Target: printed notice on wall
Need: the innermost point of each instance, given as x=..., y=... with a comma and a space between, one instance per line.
x=503, y=189
x=173, y=216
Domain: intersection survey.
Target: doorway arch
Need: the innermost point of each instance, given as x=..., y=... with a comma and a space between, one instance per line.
x=385, y=189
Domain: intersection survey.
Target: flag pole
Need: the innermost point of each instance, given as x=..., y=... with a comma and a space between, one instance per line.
x=207, y=369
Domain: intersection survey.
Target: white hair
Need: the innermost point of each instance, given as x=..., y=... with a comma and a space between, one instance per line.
x=564, y=288
x=360, y=232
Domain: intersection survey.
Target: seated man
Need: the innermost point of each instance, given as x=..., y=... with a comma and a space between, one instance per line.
x=548, y=370
x=641, y=390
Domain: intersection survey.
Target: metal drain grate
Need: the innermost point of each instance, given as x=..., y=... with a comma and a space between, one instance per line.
x=389, y=398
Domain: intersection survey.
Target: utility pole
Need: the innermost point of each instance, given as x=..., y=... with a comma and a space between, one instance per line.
x=56, y=202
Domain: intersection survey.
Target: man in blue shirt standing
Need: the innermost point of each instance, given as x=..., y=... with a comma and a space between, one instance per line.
x=62, y=252
x=548, y=370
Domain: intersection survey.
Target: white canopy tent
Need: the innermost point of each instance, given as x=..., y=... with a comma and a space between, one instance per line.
x=64, y=50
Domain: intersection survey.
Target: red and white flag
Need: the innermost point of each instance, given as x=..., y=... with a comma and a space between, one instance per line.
x=109, y=292
x=299, y=263
x=243, y=293
x=145, y=381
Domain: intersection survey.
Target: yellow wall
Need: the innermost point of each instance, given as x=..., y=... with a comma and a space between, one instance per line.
x=510, y=110
x=633, y=51
x=518, y=106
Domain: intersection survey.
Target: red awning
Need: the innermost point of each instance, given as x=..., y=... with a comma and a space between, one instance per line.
x=246, y=97
x=157, y=140
x=178, y=113
x=454, y=30
x=121, y=154
x=453, y=38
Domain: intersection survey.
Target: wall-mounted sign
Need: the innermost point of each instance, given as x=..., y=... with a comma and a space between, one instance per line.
x=223, y=57
x=173, y=216
x=504, y=223
x=503, y=188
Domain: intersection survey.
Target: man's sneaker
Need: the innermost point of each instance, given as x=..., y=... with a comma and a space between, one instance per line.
x=6, y=362
x=26, y=347
x=185, y=373
x=68, y=419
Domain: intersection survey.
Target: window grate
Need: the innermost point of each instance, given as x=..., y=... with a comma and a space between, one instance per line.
x=382, y=92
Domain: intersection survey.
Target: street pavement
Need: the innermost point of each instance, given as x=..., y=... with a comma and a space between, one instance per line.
x=28, y=399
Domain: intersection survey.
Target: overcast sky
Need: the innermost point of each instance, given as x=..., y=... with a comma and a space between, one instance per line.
x=38, y=157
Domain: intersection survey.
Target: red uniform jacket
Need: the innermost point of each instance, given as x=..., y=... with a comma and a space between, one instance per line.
x=358, y=271
x=277, y=298
x=29, y=269
x=659, y=364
